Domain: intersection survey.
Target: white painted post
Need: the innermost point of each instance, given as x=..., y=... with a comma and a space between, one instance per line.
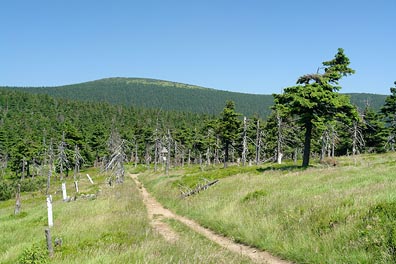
x=64, y=194
x=49, y=207
x=76, y=185
x=89, y=178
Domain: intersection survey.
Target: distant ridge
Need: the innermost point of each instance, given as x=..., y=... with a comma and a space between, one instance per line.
x=167, y=95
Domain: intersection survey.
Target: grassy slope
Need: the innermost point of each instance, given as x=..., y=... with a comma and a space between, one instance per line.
x=110, y=229
x=343, y=214
x=150, y=93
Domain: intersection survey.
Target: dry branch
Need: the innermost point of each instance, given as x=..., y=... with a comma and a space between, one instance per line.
x=197, y=189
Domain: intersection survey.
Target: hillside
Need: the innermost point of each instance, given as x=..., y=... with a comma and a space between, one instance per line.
x=150, y=93
x=102, y=225
x=338, y=214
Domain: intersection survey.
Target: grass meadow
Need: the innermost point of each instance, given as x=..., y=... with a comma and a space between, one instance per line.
x=110, y=228
x=322, y=214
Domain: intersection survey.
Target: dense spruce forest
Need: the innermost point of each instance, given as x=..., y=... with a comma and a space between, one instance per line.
x=33, y=124
x=158, y=94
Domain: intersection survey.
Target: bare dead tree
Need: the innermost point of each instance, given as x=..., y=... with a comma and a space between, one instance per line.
x=258, y=142
x=325, y=139
x=51, y=158
x=3, y=164
x=115, y=163
x=217, y=149
x=18, y=200
x=78, y=160
x=207, y=154
x=357, y=138
x=244, y=142
x=182, y=157
x=280, y=138
x=168, y=160
x=62, y=157
x=23, y=168
x=189, y=157
x=156, y=150
x=136, y=153
x=333, y=140
x=175, y=153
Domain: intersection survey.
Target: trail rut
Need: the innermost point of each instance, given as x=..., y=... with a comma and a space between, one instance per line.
x=156, y=212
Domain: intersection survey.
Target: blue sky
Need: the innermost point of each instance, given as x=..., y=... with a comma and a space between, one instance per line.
x=252, y=46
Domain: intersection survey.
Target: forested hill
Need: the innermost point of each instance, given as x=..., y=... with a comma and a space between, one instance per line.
x=165, y=95
x=28, y=122
x=157, y=94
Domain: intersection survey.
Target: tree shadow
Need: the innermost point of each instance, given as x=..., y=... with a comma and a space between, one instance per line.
x=277, y=167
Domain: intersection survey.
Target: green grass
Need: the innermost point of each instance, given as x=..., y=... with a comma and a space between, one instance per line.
x=342, y=214
x=113, y=228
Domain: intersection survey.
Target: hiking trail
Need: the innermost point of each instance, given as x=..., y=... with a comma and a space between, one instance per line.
x=156, y=212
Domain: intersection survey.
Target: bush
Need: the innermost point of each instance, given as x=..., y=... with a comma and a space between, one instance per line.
x=6, y=191
x=34, y=255
x=255, y=195
x=31, y=184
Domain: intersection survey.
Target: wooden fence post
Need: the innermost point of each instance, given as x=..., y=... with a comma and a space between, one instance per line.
x=49, y=242
x=18, y=200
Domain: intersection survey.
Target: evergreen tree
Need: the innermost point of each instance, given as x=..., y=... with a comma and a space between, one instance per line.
x=389, y=110
x=316, y=100
x=374, y=132
x=229, y=128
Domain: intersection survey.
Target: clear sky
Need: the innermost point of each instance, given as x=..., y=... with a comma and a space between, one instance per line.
x=252, y=46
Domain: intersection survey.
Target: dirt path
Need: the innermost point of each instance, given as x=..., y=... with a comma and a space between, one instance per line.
x=156, y=212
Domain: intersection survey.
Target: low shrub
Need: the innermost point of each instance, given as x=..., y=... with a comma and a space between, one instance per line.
x=31, y=184
x=6, y=190
x=255, y=195
x=34, y=255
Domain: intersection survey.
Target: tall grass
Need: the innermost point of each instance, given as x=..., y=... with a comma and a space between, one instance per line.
x=341, y=214
x=111, y=228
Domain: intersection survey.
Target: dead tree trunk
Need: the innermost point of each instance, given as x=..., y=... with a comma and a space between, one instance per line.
x=325, y=143
x=357, y=138
x=258, y=142
x=116, y=162
x=23, y=168
x=208, y=156
x=182, y=158
x=50, y=166
x=244, y=143
x=279, y=153
x=147, y=156
x=334, y=139
x=18, y=200
x=136, y=154
x=62, y=158
x=169, y=153
x=49, y=242
x=200, y=161
x=156, y=152
x=77, y=163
